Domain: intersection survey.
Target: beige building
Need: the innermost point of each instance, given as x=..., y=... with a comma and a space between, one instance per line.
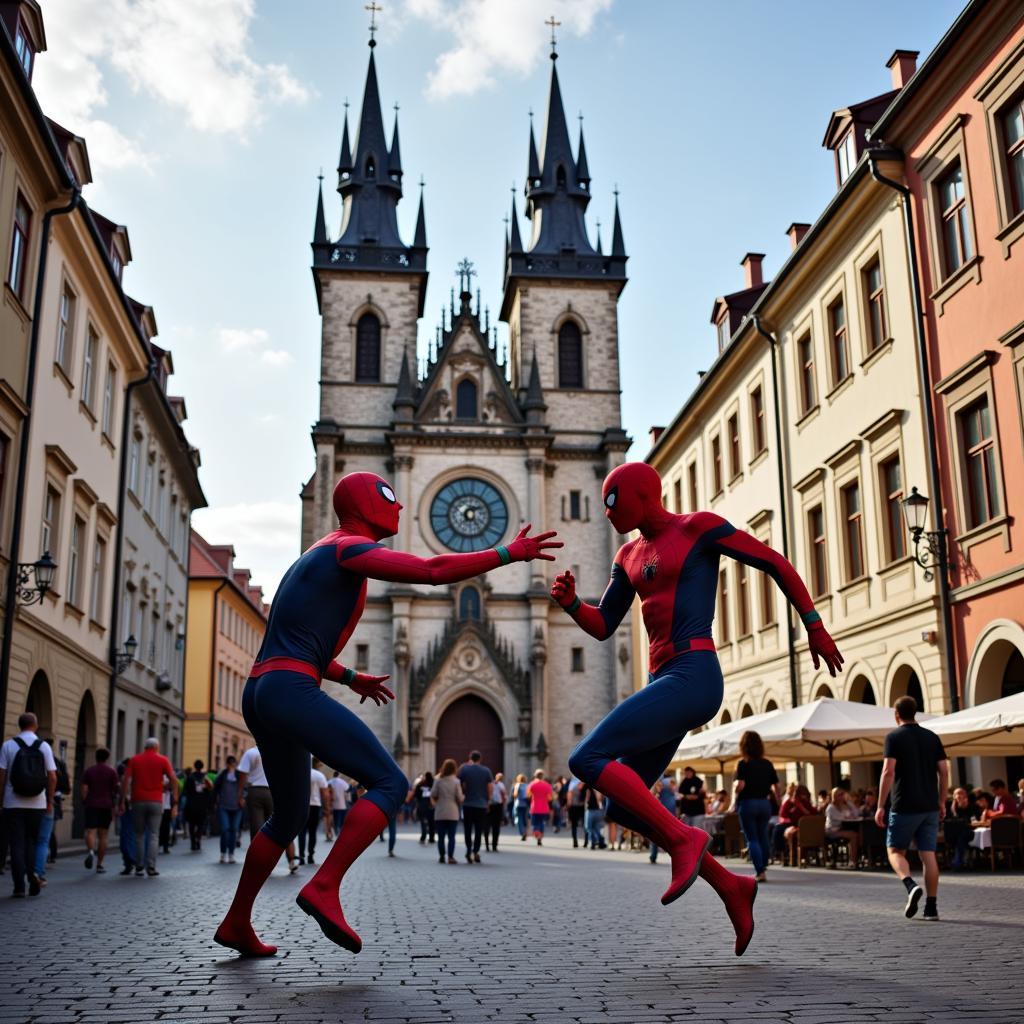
x=830, y=343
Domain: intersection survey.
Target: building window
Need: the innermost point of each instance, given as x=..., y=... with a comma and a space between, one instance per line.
x=723, y=607
x=92, y=342
x=767, y=600
x=716, y=464
x=24, y=49
x=362, y=657
x=853, y=526
x=75, y=561
x=957, y=247
x=892, y=491
x=577, y=659
x=570, y=355
x=109, y=384
x=808, y=392
x=1013, y=134
x=980, y=462
x=147, y=483
x=51, y=519
x=115, y=263
x=742, y=600
x=368, y=348
x=677, y=495
x=840, y=350
x=691, y=475
x=65, y=329
x=135, y=455
x=19, y=247
x=465, y=400
x=846, y=156
x=757, y=420
x=734, y=446
x=874, y=293
x=723, y=332
x=819, y=555
x=99, y=558
x=469, y=604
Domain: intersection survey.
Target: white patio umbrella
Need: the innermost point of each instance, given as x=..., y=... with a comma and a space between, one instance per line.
x=995, y=729
x=713, y=749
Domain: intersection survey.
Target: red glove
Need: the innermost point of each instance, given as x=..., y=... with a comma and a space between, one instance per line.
x=563, y=590
x=363, y=684
x=525, y=548
x=823, y=647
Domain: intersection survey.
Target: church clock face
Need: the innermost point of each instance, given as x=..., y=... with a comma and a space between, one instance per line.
x=468, y=515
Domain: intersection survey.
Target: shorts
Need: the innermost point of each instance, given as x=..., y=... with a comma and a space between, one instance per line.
x=920, y=828
x=98, y=817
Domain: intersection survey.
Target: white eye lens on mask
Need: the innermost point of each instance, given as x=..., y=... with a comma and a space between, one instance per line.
x=387, y=493
x=610, y=500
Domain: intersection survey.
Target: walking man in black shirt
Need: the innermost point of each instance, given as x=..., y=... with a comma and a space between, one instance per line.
x=916, y=772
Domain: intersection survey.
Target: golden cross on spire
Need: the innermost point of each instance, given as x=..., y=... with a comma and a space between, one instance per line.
x=374, y=8
x=554, y=42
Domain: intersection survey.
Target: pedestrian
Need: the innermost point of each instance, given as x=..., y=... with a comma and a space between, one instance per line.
x=227, y=795
x=665, y=791
x=318, y=796
x=593, y=818
x=99, y=789
x=521, y=797
x=257, y=799
x=756, y=778
x=166, y=819
x=576, y=810
x=28, y=780
x=339, y=801
x=541, y=794
x=197, y=804
x=692, y=799
x=126, y=829
x=916, y=772
x=423, y=787
x=446, y=796
x=46, y=842
x=477, y=786
x=495, y=813
x=144, y=785
x=561, y=788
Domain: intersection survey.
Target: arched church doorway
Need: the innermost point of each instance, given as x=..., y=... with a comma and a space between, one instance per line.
x=40, y=702
x=470, y=723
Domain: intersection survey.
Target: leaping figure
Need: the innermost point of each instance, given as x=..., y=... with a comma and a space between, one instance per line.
x=673, y=566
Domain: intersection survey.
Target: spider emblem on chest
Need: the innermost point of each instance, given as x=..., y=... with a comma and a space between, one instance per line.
x=649, y=569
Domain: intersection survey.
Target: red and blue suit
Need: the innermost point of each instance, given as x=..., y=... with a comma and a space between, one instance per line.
x=674, y=568
x=313, y=615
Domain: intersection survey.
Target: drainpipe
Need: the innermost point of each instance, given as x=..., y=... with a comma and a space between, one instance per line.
x=11, y=594
x=945, y=605
x=122, y=500
x=783, y=499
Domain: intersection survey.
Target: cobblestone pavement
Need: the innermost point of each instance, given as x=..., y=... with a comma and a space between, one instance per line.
x=539, y=935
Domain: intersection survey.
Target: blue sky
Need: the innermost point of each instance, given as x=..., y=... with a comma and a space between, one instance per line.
x=208, y=121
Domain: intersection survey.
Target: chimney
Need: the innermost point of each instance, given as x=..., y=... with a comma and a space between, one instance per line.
x=751, y=264
x=902, y=64
x=655, y=434
x=795, y=232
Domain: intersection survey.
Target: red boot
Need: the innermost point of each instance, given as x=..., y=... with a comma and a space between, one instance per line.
x=236, y=930
x=319, y=896
x=685, y=845
x=737, y=892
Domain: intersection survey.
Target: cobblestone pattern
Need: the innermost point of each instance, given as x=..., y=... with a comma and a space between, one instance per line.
x=531, y=935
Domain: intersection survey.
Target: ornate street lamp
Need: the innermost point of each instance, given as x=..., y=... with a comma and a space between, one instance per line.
x=929, y=545
x=126, y=655
x=42, y=572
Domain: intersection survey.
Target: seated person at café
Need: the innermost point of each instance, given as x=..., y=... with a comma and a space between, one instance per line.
x=870, y=804
x=797, y=805
x=719, y=803
x=823, y=800
x=1020, y=796
x=983, y=803
x=838, y=815
x=1005, y=804
x=957, y=826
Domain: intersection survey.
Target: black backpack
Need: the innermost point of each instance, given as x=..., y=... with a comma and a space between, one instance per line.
x=28, y=770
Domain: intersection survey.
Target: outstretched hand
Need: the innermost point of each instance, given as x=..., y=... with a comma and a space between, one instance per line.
x=563, y=590
x=823, y=648
x=525, y=548
x=372, y=687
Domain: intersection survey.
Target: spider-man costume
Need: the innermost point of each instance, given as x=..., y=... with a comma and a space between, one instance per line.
x=673, y=566
x=314, y=613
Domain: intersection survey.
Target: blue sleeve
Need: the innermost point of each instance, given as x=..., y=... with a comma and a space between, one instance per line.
x=617, y=598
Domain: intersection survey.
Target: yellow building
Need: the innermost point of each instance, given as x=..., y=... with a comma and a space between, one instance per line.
x=226, y=622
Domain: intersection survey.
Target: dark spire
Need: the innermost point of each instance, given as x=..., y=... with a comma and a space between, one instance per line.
x=582, y=170
x=534, y=401
x=618, y=246
x=419, y=240
x=345, y=158
x=516, y=243
x=534, y=172
x=320, y=224
x=598, y=245
x=404, y=397
x=395, y=157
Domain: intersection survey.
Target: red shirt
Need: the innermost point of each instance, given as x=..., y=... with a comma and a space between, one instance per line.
x=145, y=776
x=540, y=793
x=102, y=782
x=792, y=811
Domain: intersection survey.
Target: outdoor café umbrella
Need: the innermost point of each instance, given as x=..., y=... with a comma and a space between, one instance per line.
x=713, y=749
x=995, y=729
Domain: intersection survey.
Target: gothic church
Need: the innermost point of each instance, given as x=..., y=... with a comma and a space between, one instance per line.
x=475, y=444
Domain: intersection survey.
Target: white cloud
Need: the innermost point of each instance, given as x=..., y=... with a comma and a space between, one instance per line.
x=235, y=339
x=495, y=36
x=190, y=55
x=276, y=357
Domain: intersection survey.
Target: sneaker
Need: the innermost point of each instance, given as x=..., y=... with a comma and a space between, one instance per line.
x=309, y=859
x=523, y=837
x=452, y=860
x=152, y=872
x=34, y=887
x=302, y=859
x=930, y=914
x=913, y=898
x=139, y=871
x=293, y=866
x=100, y=869
x=88, y=861
x=391, y=853
x=476, y=857
x=231, y=858
x=127, y=869
x=469, y=858
x=223, y=859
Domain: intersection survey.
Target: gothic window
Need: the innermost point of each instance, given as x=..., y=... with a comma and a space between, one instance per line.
x=570, y=355
x=371, y=168
x=469, y=604
x=368, y=348
x=465, y=400
x=560, y=176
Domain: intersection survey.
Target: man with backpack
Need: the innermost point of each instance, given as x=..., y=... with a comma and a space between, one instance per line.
x=28, y=779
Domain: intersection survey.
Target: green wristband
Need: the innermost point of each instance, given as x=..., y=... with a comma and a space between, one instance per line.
x=503, y=555
x=575, y=606
x=349, y=677
x=810, y=618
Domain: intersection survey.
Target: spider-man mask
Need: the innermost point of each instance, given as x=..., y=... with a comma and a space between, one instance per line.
x=631, y=492
x=366, y=503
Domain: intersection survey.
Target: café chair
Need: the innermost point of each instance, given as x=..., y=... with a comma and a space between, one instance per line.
x=810, y=839
x=1005, y=837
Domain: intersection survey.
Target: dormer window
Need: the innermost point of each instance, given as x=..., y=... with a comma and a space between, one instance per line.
x=846, y=156
x=115, y=262
x=25, y=50
x=723, y=332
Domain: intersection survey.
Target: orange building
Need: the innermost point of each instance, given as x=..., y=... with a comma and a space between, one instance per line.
x=960, y=124
x=226, y=621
